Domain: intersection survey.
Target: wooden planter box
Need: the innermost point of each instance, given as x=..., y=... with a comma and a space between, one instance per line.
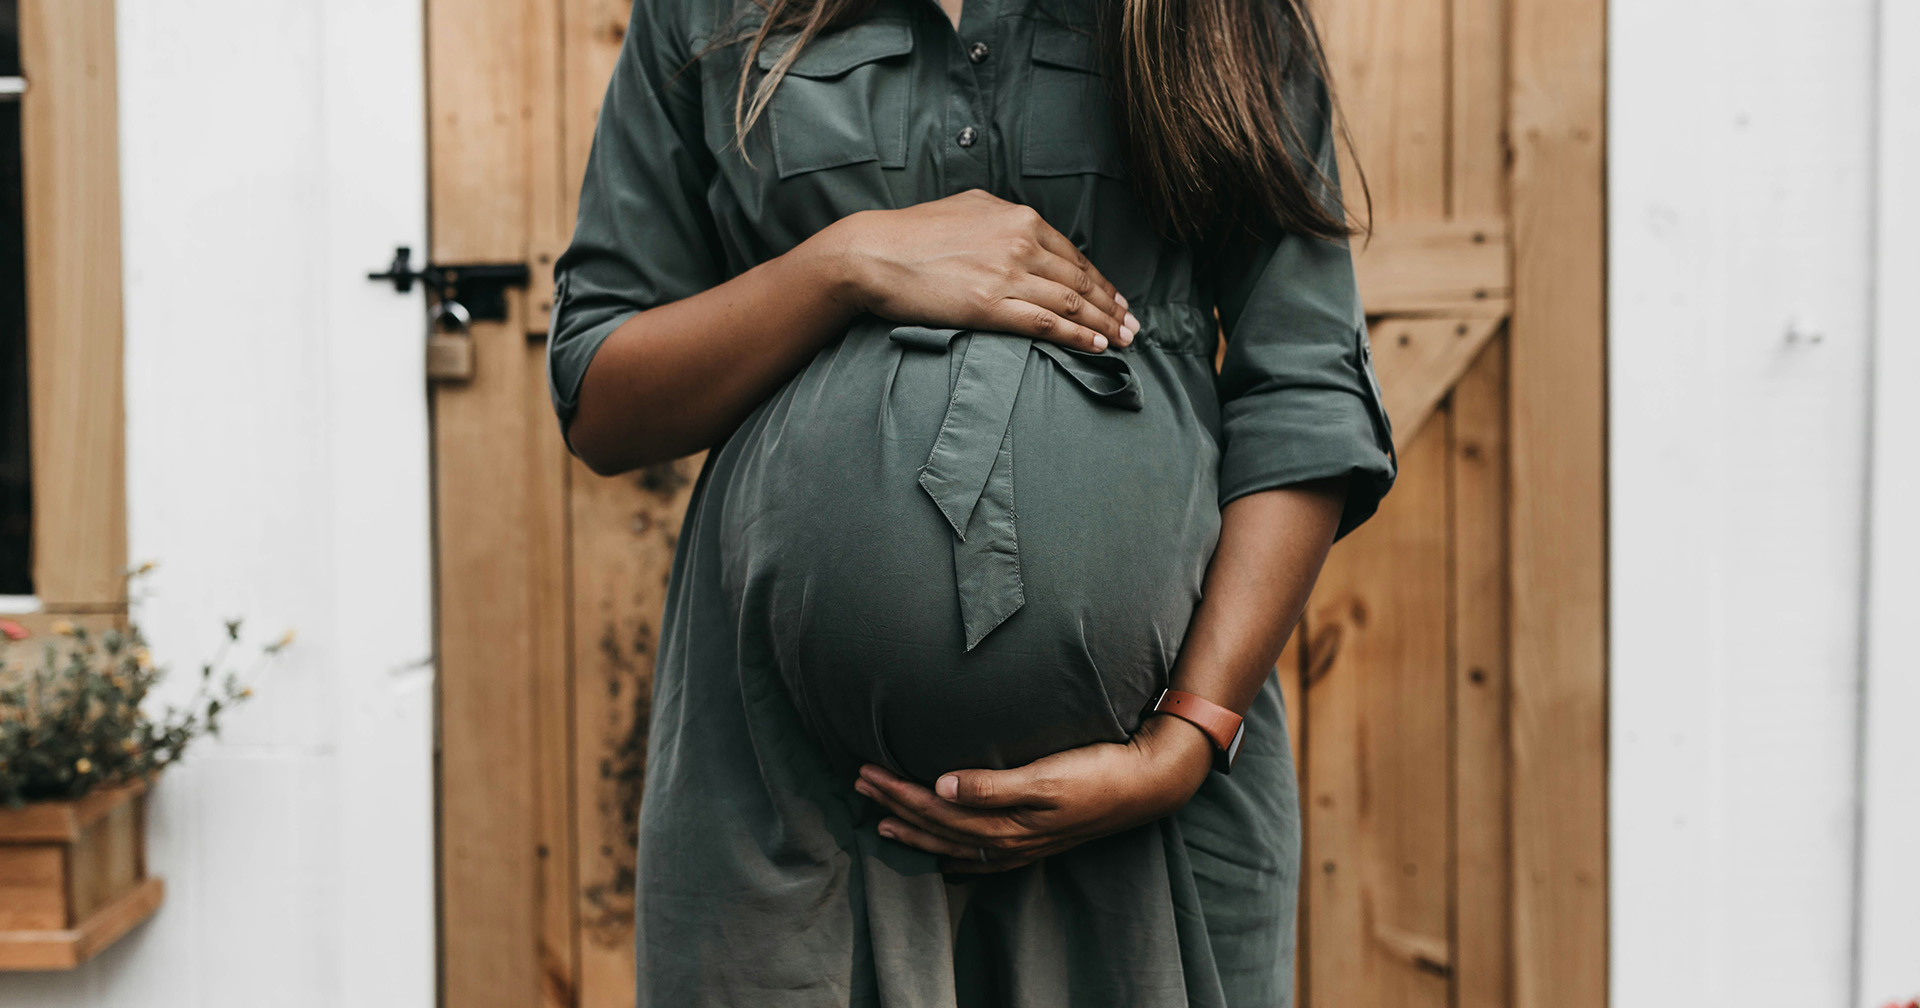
x=73, y=877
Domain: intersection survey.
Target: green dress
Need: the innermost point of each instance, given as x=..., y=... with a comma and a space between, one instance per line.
x=939, y=548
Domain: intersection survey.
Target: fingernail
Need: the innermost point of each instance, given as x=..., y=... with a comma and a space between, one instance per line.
x=1099, y=342
x=1120, y=299
x=1131, y=322
x=947, y=787
x=887, y=831
x=869, y=773
x=864, y=788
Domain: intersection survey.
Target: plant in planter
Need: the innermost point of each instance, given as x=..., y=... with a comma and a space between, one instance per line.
x=78, y=750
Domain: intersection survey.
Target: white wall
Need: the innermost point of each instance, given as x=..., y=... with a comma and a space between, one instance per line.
x=1889, y=959
x=1744, y=138
x=277, y=468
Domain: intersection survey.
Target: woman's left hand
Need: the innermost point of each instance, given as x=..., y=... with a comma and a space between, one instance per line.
x=1016, y=817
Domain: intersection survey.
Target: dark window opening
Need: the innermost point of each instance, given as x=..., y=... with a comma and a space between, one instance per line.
x=16, y=477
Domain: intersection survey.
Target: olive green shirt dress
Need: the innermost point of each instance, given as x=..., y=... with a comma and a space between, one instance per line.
x=939, y=548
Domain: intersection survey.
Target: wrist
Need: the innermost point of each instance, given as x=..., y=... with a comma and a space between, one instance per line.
x=1178, y=749
x=834, y=255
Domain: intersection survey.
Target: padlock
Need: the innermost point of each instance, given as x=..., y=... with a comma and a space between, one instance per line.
x=450, y=342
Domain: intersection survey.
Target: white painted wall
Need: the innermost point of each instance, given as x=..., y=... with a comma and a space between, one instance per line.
x=277, y=467
x=1746, y=140
x=1889, y=922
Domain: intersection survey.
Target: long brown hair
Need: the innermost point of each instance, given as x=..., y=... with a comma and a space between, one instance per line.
x=1213, y=96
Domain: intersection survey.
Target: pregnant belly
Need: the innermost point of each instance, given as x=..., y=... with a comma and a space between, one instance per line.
x=967, y=549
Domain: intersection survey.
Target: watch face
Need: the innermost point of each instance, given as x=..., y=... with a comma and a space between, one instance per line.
x=1233, y=750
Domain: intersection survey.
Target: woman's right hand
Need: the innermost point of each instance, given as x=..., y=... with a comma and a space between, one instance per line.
x=975, y=260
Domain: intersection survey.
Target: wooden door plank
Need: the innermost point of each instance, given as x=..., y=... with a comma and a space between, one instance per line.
x=1481, y=882
x=69, y=122
x=1557, y=360
x=548, y=220
x=625, y=530
x=1435, y=267
x=1478, y=141
x=486, y=521
x=551, y=194
x=1389, y=68
x=1419, y=360
x=550, y=621
x=1377, y=738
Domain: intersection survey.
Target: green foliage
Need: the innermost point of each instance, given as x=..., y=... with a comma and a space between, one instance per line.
x=71, y=717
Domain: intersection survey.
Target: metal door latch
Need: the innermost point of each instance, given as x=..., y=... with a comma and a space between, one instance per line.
x=480, y=289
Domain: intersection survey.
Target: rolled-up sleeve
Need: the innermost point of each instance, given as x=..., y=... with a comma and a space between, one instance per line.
x=1298, y=396
x=644, y=235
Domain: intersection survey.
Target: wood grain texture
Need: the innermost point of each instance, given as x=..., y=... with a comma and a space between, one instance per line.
x=554, y=684
x=1377, y=734
x=1419, y=360
x=487, y=507
x=1435, y=267
x=73, y=876
x=33, y=886
x=1482, y=865
x=1477, y=141
x=1390, y=71
x=625, y=530
x=105, y=862
x=1557, y=421
x=549, y=220
x=66, y=948
x=65, y=821
x=71, y=165
x=621, y=548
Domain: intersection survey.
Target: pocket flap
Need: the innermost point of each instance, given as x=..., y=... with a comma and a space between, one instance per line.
x=832, y=53
x=1059, y=45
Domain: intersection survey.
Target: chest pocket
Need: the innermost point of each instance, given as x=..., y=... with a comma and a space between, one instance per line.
x=844, y=100
x=1069, y=127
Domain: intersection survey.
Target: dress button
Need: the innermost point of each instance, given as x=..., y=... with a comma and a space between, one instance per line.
x=967, y=137
x=977, y=52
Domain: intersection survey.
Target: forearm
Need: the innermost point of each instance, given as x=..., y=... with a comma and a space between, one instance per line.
x=1272, y=545
x=675, y=379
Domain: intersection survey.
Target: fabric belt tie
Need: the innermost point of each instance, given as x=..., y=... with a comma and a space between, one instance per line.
x=969, y=472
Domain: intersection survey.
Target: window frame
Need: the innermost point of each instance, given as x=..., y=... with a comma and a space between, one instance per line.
x=70, y=154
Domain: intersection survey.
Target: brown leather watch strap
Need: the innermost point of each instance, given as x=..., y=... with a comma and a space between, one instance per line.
x=1221, y=725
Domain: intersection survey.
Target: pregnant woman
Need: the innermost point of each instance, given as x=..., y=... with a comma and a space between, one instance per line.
x=965, y=689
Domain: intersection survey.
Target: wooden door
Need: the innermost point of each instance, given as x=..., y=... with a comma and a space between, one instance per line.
x=550, y=579
x=1447, y=684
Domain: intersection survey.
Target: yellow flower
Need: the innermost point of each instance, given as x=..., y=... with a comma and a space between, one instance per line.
x=83, y=764
x=126, y=745
x=63, y=627
x=143, y=657
x=247, y=692
x=285, y=639
x=145, y=567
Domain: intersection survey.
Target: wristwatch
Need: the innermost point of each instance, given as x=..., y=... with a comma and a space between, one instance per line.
x=1221, y=725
